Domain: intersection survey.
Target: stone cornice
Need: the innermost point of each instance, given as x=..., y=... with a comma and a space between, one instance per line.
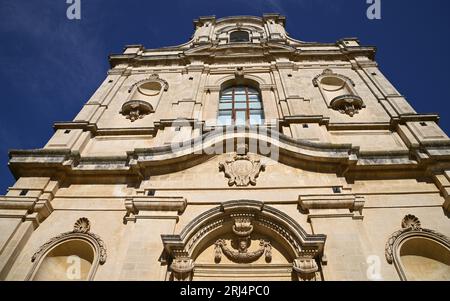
x=340, y=158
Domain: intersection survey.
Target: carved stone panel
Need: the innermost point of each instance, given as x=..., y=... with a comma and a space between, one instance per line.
x=243, y=229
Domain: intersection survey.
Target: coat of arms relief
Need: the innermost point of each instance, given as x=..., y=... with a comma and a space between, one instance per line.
x=242, y=170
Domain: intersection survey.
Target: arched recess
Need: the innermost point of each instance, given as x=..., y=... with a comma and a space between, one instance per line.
x=244, y=239
x=418, y=253
x=73, y=255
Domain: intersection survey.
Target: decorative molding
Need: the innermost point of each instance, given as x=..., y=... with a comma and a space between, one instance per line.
x=298, y=243
x=152, y=78
x=80, y=229
x=331, y=73
x=242, y=170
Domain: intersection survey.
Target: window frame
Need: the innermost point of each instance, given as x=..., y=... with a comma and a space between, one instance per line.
x=239, y=31
x=249, y=111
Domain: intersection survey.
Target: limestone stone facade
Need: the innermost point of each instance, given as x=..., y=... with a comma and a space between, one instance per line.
x=243, y=154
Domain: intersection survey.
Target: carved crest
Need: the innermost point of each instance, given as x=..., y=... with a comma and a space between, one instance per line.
x=243, y=229
x=242, y=170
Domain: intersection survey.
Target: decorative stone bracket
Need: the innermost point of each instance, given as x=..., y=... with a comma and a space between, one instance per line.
x=139, y=207
x=306, y=269
x=182, y=268
x=136, y=109
x=342, y=205
x=347, y=104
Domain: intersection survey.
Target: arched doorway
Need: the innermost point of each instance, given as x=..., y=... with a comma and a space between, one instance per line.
x=244, y=240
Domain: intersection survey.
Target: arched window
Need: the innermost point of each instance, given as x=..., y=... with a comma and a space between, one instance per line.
x=240, y=105
x=239, y=36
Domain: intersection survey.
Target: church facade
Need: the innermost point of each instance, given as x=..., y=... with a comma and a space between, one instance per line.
x=243, y=154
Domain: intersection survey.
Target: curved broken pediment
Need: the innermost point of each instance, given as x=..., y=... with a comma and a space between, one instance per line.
x=241, y=232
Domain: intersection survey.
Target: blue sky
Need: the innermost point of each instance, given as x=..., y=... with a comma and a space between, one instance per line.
x=50, y=66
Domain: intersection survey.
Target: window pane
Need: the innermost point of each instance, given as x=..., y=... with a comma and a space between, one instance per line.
x=255, y=120
x=240, y=117
x=239, y=90
x=256, y=112
x=224, y=120
x=240, y=98
x=252, y=91
x=255, y=105
x=253, y=98
x=226, y=106
x=225, y=113
x=227, y=91
x=239, y=36
x=240, y=105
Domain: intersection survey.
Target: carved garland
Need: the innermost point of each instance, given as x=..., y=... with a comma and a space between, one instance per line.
x=81, y=229
x=243, y=229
